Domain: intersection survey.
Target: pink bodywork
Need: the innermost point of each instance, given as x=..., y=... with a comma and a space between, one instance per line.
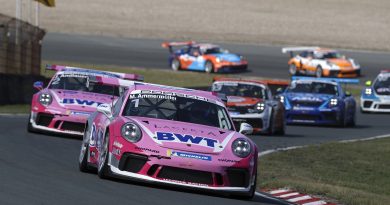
x=70, y=109
x=213, y=154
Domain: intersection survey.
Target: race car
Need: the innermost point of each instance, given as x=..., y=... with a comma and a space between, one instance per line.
x=251, y=101
x=71, y=96
x=376, y=96
x=203, y=57
x=172, y=136
x=320, y=101
x=320, y=62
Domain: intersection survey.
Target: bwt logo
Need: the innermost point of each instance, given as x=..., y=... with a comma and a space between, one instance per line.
x=72, y=101
x=183, y=138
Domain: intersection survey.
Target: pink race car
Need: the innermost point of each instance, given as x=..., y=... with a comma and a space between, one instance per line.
x=169, y=135
x=71, y=96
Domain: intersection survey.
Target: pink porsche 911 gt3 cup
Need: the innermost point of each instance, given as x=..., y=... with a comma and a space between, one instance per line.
x=174, y=136
x=71, y=96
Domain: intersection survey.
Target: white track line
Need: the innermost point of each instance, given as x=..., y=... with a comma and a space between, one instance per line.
x=299, y=198
x=267, y=152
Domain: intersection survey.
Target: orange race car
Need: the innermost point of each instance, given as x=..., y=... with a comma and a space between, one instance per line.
x=320, y=62
x=252, y=101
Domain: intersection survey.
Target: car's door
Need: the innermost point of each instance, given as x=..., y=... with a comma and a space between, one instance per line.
x=194, y=59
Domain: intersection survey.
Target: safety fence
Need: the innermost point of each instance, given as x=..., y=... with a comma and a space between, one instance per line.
x=20, y=59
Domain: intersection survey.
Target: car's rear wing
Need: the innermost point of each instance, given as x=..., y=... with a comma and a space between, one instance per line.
x=125, y=76
x=292, y=50
x=170, y=45
x=337, y=80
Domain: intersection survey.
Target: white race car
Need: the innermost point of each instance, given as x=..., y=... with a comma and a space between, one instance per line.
x=376, y=96
x=320, y=62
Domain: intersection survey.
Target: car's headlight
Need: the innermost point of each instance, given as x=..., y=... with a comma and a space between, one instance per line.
x=131, y=132
x=368, y=91
x=260, y=107
x=241, y=147
x=354, y=63
x=333, y=102
x=45, y=99
x=218, y=60
x=281, y=99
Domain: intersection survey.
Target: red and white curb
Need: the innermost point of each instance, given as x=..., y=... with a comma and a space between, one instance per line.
x=294, y=197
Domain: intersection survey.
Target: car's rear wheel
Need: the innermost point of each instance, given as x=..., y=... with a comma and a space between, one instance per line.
x=318, y=72
x=292, y=69
x=208, y=67
x=175, y=64
x=103, y=168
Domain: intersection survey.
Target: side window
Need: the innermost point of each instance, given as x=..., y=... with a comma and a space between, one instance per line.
x=118, y=104
x=303, y=54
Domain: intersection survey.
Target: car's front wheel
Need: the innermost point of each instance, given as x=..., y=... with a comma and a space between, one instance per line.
x=84, y=153
x=292, y=69
x=175, y=64
x=30, y=128
x=103, y=168
x=209, y=67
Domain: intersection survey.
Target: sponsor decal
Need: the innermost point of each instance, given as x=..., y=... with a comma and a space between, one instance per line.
x=307, y=98
x=184, y=129
x=118, y=144
x=74, y=101
x=167, y=95
x=116, y=151
x=171, y=153
x=303, y=108
x=183, y=182
x=147, y=149
x=228, y=160
x=187, y=139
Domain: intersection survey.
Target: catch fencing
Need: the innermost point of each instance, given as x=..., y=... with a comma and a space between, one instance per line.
x=20, y=59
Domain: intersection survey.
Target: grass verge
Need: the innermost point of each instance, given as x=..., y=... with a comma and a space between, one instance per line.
x=15, y=109
x=352, y=173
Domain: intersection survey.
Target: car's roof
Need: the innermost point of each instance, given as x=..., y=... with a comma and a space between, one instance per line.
x=186, y=91
x=205, y=45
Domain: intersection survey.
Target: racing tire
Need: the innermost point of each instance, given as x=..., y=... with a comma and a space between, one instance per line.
x=318, y=73
x=175, y=64
x=292, y=69
x=343, y=120
x=83, y=156
x=282, y=130
x=103, y=168
x=352, y=122
x=208, y=67
x=271, y=128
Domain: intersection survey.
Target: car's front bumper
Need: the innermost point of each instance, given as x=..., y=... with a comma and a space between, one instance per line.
x=342, y=73
x=375, y=105
x=259, y=121
x=231, y=66
x=58, y=123
x=313, y=116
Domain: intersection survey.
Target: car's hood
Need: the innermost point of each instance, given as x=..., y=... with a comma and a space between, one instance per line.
x=340, y=62
x=185, y=136
x=228, y=57
x=308, y=97
x=78, y=100
x=241, y=101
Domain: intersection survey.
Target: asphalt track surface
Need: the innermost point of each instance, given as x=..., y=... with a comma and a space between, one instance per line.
x=264, y=61
x=42, y=169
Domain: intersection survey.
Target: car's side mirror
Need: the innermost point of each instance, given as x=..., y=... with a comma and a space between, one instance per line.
x=368, y=83
x=105, y=109
x=38, y=85
x=246, y=129
x=348, y=94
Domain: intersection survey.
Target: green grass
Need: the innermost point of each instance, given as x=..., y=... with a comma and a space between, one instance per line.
x=352, y=173
x=15, y=109
x=158, y=76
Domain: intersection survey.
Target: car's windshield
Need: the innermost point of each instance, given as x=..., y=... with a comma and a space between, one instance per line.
x=313, y=87
x=80, y=82
x=328, y=55
x=382, y=84
x=240, y=89
x=176, y=108
x=215, y=50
